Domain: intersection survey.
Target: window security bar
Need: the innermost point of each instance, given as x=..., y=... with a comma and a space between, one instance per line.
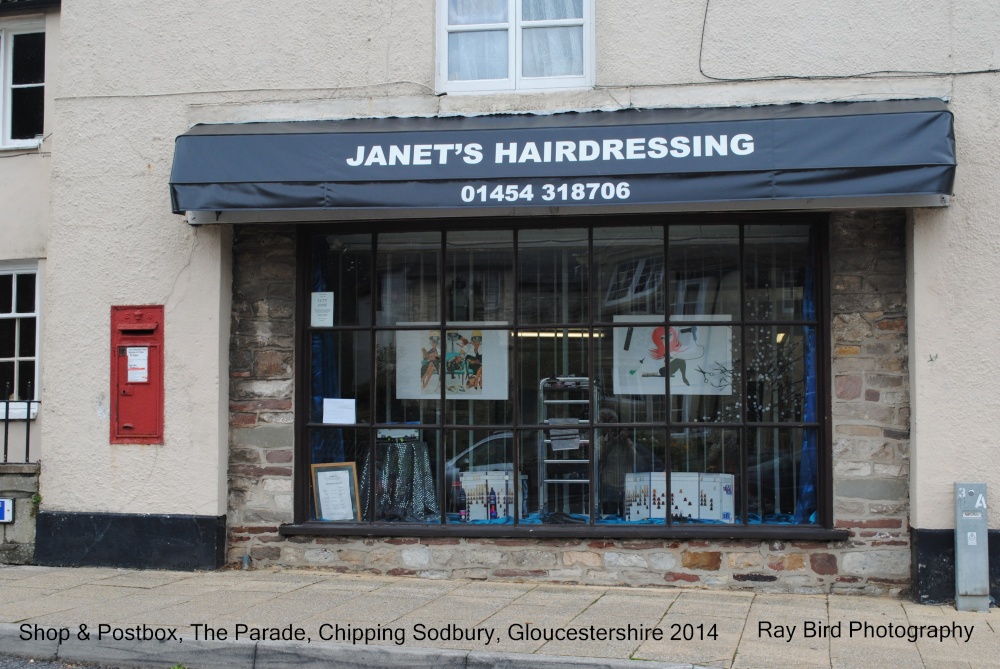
x=16, y=405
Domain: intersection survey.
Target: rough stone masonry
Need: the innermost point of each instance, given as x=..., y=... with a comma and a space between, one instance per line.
x=870, y=396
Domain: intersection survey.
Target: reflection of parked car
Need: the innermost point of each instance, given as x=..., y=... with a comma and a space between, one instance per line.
x=495, y=452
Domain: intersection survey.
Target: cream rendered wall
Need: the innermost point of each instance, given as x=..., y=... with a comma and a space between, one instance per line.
x=25, y=173
x=135, y=75
x=955, y=320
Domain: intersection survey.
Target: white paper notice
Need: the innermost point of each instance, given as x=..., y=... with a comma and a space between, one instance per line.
x=339, y=411
x=334, y=490
x=322, y=310
x=138, y=364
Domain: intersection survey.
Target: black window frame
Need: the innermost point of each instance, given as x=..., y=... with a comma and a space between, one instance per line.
x=822, y=530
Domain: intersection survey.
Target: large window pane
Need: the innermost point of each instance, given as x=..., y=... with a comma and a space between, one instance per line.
x=476, y=375
x=781, y=376
x=342, y=265
x=340, y=371
x=7, y=380
x=329, y=445
x=531, y=377
x=629, y=460
x=546, y=356
x=408, y=376
x=704, y=271
x=473, y=12
x=553, y=276
x=705, y=476
x=480, y=54
x=780, y=280
x=552, y=52
x=479, y=272
x=548, y=10
x=29, y=59
x=703, y=372
x=8, y=337
x=26, y=338
x=781, y=476
x=557, y=461
x=25, y=293
x=6, y=293
x=479, y=477
x=406, y=482
x=629, y=374
x=27, y=109
x=409, y=273
x=629, y=263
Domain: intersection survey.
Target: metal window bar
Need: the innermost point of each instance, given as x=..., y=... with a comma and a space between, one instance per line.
x=27, y=404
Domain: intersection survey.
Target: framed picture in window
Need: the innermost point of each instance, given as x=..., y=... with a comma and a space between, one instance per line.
x=471, y=362
x=698, y=359
x=335, y=491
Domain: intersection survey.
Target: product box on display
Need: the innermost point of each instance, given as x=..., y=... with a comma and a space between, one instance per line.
x=693, y=496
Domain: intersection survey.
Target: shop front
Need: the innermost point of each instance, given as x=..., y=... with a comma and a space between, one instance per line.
x=595, y=347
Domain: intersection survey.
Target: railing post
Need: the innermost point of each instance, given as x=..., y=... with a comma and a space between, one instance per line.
x=27, y=422
x=6, y=419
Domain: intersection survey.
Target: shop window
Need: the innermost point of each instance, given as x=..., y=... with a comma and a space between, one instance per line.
x=22, y=56
x=19, y=337
x=644, y=377
x=494, y=45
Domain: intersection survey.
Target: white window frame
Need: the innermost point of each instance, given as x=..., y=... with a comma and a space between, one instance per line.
x=623, y=285
x=8, y=29
x=514, y=27
x=19, y=408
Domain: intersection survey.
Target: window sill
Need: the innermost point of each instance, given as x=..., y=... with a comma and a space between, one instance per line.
x=515, y=91
x=26, y=145
x=16, y=410
x=758, y=532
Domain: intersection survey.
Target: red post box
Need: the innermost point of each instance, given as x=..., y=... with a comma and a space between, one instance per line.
x=137, y=375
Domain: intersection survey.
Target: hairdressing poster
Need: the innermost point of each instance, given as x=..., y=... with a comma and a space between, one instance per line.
x=697, y=359
x=470, y=361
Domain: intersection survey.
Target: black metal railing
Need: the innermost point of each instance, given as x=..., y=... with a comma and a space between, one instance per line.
x=8, y=405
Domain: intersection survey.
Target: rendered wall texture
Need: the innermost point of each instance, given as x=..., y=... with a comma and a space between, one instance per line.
x=132, y=76
x=871, y=450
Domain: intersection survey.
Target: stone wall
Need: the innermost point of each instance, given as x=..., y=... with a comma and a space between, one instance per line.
x=870, y=446
x=17, y=540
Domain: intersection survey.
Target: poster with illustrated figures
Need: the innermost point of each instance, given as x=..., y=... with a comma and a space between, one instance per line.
x=697, y=359
x=470, y=361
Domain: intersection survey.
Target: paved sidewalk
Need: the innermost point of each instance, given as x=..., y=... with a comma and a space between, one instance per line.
x=159, y=619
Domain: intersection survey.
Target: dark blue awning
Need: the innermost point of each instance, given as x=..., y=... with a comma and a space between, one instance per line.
x=892, y=153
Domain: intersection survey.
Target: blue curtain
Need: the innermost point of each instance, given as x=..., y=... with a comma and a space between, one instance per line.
x=326, y=444
x=805, y=504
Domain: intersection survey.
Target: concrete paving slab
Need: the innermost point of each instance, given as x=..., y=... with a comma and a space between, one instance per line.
x=372, y=609
x=110, y=614
x=95, y=592
x=694, y=644
x=31, y=608
x=10, y=595
x=315, y=601
x=145, y=580
x=695, y=606
x=494, y=590
x=469, y=609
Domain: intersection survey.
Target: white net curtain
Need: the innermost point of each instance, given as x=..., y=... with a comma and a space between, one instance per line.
x=545, y=50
